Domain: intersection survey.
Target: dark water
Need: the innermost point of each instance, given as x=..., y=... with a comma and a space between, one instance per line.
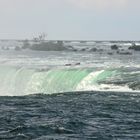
x=92, y=115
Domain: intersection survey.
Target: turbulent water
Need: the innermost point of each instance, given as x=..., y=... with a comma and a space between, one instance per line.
x=69, y=95
x=90, y=115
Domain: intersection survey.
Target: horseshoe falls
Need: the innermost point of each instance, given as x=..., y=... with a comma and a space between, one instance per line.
x=22, y=81
x=90, y=92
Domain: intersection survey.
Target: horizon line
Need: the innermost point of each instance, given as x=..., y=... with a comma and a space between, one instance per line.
x=73, y=40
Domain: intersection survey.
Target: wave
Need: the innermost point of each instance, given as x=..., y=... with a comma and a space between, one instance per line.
x=16, y=81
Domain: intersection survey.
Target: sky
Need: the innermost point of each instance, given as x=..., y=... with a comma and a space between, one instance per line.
x=70, y=19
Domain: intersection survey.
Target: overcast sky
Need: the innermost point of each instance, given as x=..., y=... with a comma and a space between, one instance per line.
x=70, y=19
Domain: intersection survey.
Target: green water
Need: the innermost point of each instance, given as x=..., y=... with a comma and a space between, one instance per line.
x=55, y=81
x=23, y=81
